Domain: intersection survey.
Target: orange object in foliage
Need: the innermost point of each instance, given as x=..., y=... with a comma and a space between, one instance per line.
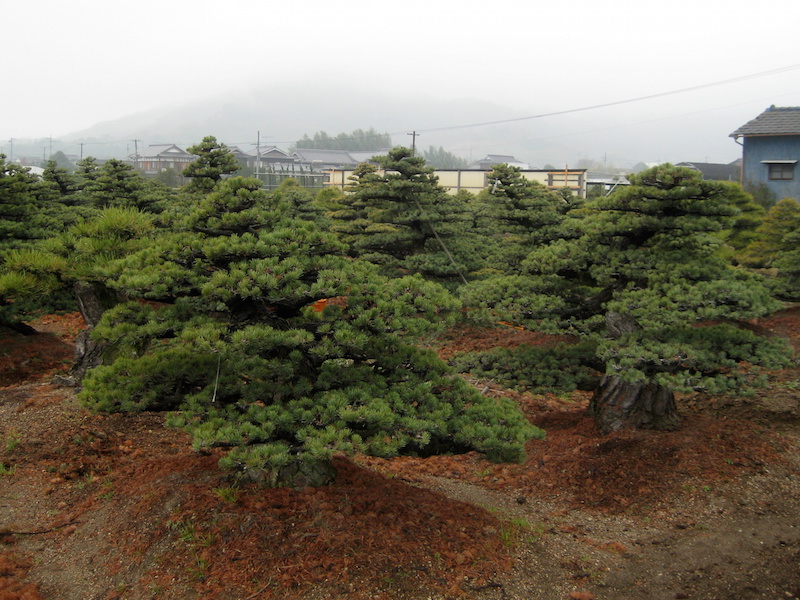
x=509, y=324
x=319, y=305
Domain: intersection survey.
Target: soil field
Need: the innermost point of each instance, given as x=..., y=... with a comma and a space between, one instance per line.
x=102, y=507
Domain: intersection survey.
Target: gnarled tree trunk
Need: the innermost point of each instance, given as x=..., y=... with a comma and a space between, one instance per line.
x=617, y=404
x=93, y=299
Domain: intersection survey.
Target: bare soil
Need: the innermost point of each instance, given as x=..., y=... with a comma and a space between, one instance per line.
x=101, y=507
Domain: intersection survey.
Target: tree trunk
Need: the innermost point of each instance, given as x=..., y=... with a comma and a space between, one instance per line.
x=93, y=299
x=617, y=404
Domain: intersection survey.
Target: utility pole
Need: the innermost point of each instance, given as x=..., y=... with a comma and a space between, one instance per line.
x=11, y=152
x=81, y=145
x=413, y=135
x=258, y=154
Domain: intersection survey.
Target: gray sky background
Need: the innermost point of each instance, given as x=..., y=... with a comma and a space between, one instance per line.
x=71, y=64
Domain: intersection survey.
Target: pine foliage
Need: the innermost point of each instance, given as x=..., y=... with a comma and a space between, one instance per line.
x=398, y=217
x=265, y=337
x=640, y=274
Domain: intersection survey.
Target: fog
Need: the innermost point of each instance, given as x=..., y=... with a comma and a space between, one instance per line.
x=552, y=83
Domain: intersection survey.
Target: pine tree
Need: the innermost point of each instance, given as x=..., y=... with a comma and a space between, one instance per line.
x=214, y=160
x=397, y=216
x=30, y=211
x=117, y=184
x=516, y=215
x=643, y=281
x=267, y=339
x=782, y=219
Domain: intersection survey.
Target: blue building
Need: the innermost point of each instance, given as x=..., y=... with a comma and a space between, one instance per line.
x=770, y=151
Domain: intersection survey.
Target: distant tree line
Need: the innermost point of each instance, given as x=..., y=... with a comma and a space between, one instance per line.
x=356, y=140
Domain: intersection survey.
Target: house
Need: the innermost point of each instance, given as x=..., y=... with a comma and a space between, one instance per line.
x=160, y=157
x=362, y=156
x=318, y=160
x=270, y=159
x=716, y=171
x=241, y=156
x=485, y=164
x=770, y=151
x=599, y=183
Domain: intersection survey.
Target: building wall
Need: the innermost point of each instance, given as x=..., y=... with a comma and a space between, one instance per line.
x=757, y=149
x=475, y=181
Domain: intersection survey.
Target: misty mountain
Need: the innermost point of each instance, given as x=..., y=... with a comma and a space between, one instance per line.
x=282, y=115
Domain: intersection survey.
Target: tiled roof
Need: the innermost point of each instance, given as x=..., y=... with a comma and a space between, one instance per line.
x=773, y=121
x=330, y=157
x=715, y=171
x=156, y=150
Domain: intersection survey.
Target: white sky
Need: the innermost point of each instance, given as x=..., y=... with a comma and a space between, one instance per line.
x=69, y=64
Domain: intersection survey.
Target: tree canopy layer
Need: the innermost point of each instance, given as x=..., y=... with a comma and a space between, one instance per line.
x=642, y=279
x=266, y=338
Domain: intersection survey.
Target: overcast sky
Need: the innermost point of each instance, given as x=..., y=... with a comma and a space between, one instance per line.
x=71, y=64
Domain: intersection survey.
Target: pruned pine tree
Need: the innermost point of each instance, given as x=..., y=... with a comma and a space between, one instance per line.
x=117, y=184
x=24, y=213
x=30, y=212
x=776, y=249
x=517, y=214
x=301, y=202
x=645, y=283
x=397, y=216
x=265, y=338
x=214, y=160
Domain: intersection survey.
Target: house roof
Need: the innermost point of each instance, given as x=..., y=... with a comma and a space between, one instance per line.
x=361, y=156
x=716, y=171
x=597, y=177
x=499, y=159
x=325, y=157
x=156, y=150
x=773, y=121
x=269, y=151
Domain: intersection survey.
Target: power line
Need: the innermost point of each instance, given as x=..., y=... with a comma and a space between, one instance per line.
x=619, y=102
x=417, y=132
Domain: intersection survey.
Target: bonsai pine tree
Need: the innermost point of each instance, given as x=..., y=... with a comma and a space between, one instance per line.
x=399, y=217
x=782, y=219
x=117, y=184
x=517, y=214
x=263, y=337
x=776, y=248
x=644, y=282
x=214, y=160
x=30, y=212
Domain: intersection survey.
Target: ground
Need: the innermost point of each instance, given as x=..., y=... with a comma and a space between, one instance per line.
x=119, y=506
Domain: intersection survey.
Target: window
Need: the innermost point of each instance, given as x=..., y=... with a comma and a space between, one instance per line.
x=780, y=170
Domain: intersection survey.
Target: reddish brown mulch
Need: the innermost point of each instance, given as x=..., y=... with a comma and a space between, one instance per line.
x=370, y=534
x=623, y=471
x=13, y=569
x=39, y=356
x=468, y=338
x=337, y=538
